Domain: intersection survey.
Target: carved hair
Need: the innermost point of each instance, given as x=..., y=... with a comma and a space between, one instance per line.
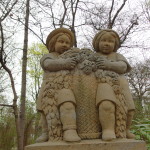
x=101, y=33
x=52, y=38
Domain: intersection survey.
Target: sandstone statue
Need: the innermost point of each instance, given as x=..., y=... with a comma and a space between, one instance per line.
x=84, y=94
x=58, y=41
x=106, y=43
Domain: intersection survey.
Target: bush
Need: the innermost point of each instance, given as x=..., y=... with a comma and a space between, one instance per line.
x=141, y=128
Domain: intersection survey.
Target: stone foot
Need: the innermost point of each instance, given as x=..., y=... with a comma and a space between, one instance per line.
x=108, y=135
x=71, y=136
x=130, y=135
x=42, y=138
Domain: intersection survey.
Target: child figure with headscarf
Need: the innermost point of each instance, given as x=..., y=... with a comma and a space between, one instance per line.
x=59, y=41
x=106, y=43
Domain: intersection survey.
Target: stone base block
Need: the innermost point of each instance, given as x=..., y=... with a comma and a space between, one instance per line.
x=119, y=144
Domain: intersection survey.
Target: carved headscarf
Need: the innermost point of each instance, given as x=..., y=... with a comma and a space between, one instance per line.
x=52, y=37
x=101, y=33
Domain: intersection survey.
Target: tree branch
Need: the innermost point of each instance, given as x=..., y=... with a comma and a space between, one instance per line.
x=6, y=105
x=8, y=11
x=118, y=11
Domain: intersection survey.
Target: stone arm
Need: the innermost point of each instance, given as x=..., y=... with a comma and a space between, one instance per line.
x=58, y=64
x=119, y=67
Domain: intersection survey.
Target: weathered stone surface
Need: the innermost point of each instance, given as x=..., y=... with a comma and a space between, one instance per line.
x=119, y=144
x=85, y=95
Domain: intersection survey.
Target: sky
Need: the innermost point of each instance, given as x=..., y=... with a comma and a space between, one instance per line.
x=137, y=54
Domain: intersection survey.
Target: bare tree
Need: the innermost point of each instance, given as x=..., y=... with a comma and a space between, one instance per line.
x=6, y=11
x=48, y=15
x=111, y=15
x=19, y=114
x=24, y=70
x=139, y=80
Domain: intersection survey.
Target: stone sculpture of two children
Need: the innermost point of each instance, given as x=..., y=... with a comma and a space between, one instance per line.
x=105, y=43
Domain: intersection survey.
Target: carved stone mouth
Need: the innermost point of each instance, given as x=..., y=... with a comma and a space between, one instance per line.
x=105, y=48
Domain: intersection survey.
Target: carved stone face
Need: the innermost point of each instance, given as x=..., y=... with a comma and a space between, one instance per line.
x=107, y=43
x=62, y=44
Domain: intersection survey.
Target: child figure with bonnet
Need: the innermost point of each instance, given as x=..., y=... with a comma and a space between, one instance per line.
x=59, y=41
x=106, y=43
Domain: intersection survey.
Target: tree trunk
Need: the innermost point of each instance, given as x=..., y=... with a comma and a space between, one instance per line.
x=23, y=84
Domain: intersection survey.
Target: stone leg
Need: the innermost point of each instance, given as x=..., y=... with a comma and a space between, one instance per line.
x=44, y=135
x=107, y=120
x=68, y=119
x=129, y=122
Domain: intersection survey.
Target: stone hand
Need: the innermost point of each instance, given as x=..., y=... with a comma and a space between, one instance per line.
x=70, y=63
x=103, y=64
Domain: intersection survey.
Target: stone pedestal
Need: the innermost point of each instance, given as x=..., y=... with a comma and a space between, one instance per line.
x=119, y=144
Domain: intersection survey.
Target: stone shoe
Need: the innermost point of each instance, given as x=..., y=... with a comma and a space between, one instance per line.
x=71, y=136
x=42, y=138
